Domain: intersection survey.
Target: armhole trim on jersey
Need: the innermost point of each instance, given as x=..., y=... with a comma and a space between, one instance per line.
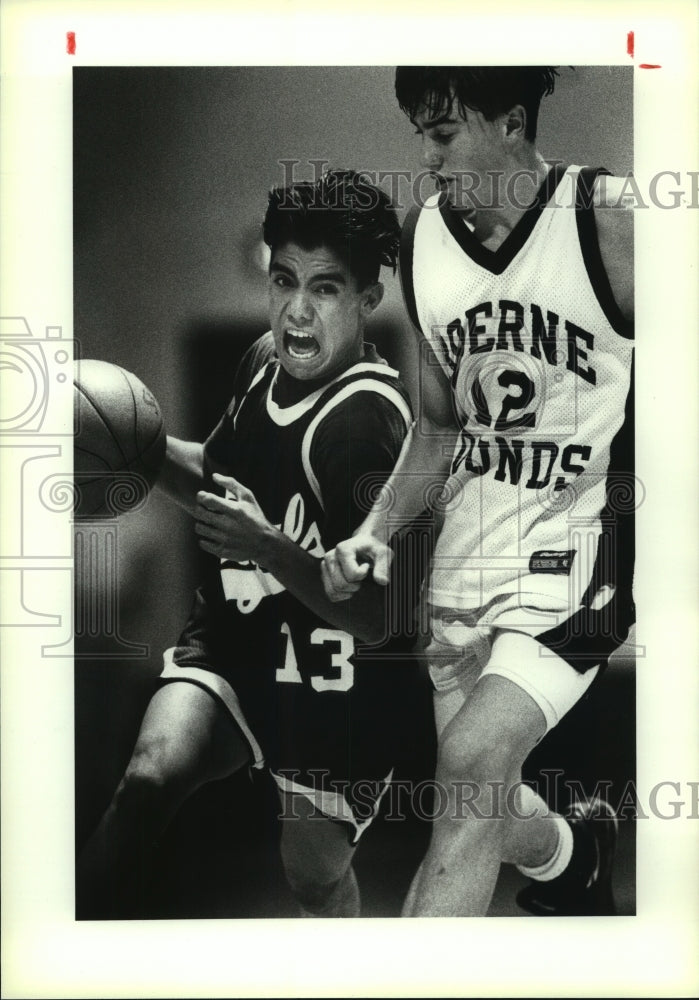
x=617, y=546
x=407, y=245
x=389, y=392
x=591, y=254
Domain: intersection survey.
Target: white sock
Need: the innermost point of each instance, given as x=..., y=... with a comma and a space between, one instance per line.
x=559, y=860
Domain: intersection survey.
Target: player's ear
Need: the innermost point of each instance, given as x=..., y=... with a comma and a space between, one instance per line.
x=515, y=122
x=371, y=297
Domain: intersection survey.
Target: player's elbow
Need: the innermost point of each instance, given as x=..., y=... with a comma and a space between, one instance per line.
x=373, y=632
x=362, y=617
x=373, y=626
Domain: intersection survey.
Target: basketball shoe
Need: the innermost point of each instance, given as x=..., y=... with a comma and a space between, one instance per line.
x=585, y=887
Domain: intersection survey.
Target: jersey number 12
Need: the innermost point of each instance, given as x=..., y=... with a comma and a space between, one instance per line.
x=512, y=402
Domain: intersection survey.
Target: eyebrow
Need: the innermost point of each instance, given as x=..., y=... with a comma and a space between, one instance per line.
x=447, y=119
x=335, y=276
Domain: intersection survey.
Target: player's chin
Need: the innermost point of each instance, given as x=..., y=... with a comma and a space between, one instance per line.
x=451, y=192
x=460, y=204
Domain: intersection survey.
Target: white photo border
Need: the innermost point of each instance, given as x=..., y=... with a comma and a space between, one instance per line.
x=45, y=952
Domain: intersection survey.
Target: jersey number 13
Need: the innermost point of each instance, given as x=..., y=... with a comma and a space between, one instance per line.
x=340, y=671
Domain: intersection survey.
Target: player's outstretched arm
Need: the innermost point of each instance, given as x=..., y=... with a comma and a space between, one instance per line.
x=237, y=529
x=182, y=474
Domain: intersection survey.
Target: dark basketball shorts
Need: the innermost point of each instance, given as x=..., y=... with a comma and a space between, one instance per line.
x=336, y=748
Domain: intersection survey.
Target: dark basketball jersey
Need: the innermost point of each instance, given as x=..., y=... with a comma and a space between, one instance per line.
x=320, y=706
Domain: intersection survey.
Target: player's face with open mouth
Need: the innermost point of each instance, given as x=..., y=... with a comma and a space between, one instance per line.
x=316, y=311
x=460, y=152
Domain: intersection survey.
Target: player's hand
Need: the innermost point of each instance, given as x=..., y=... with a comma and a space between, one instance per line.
x=345, y=567
x=231, y=527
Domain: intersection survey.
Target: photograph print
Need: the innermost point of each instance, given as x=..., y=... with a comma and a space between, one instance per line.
x=355, y=492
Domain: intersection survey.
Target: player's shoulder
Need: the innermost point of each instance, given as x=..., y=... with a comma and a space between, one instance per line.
x=369, y=389
x=356, y=433
x=368, y=403
x=613, y=192
x=430, y=203
x=256, y=358
x=369, y=373
x=613, y=204
x=261, y=353
x=424, y=213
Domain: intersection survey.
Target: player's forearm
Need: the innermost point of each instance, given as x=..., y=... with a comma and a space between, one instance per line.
x=363, y=616
x=182, y=474
x=422, y=467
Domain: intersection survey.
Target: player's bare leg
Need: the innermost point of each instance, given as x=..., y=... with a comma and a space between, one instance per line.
x=535, y=839
x=481, y=754
x=533, y=835
x=317, y=857
x=186, y=739
x=531, y=829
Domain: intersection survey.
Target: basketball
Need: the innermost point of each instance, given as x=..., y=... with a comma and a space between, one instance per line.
x=119, y=443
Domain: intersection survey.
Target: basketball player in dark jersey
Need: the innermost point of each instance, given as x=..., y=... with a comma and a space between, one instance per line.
x=524, y=306
x=268, y=671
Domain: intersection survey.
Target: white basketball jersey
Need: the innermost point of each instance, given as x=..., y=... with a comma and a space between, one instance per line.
x=539, y=358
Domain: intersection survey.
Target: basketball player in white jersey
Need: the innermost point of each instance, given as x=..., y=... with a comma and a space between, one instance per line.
x=268, y=672
x=518, y=278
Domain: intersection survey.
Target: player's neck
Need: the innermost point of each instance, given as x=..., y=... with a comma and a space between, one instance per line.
x=289, y=390
x=514, y=190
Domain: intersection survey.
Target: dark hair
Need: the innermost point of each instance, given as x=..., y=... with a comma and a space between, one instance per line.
x=340, y=210
x=492, y=90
